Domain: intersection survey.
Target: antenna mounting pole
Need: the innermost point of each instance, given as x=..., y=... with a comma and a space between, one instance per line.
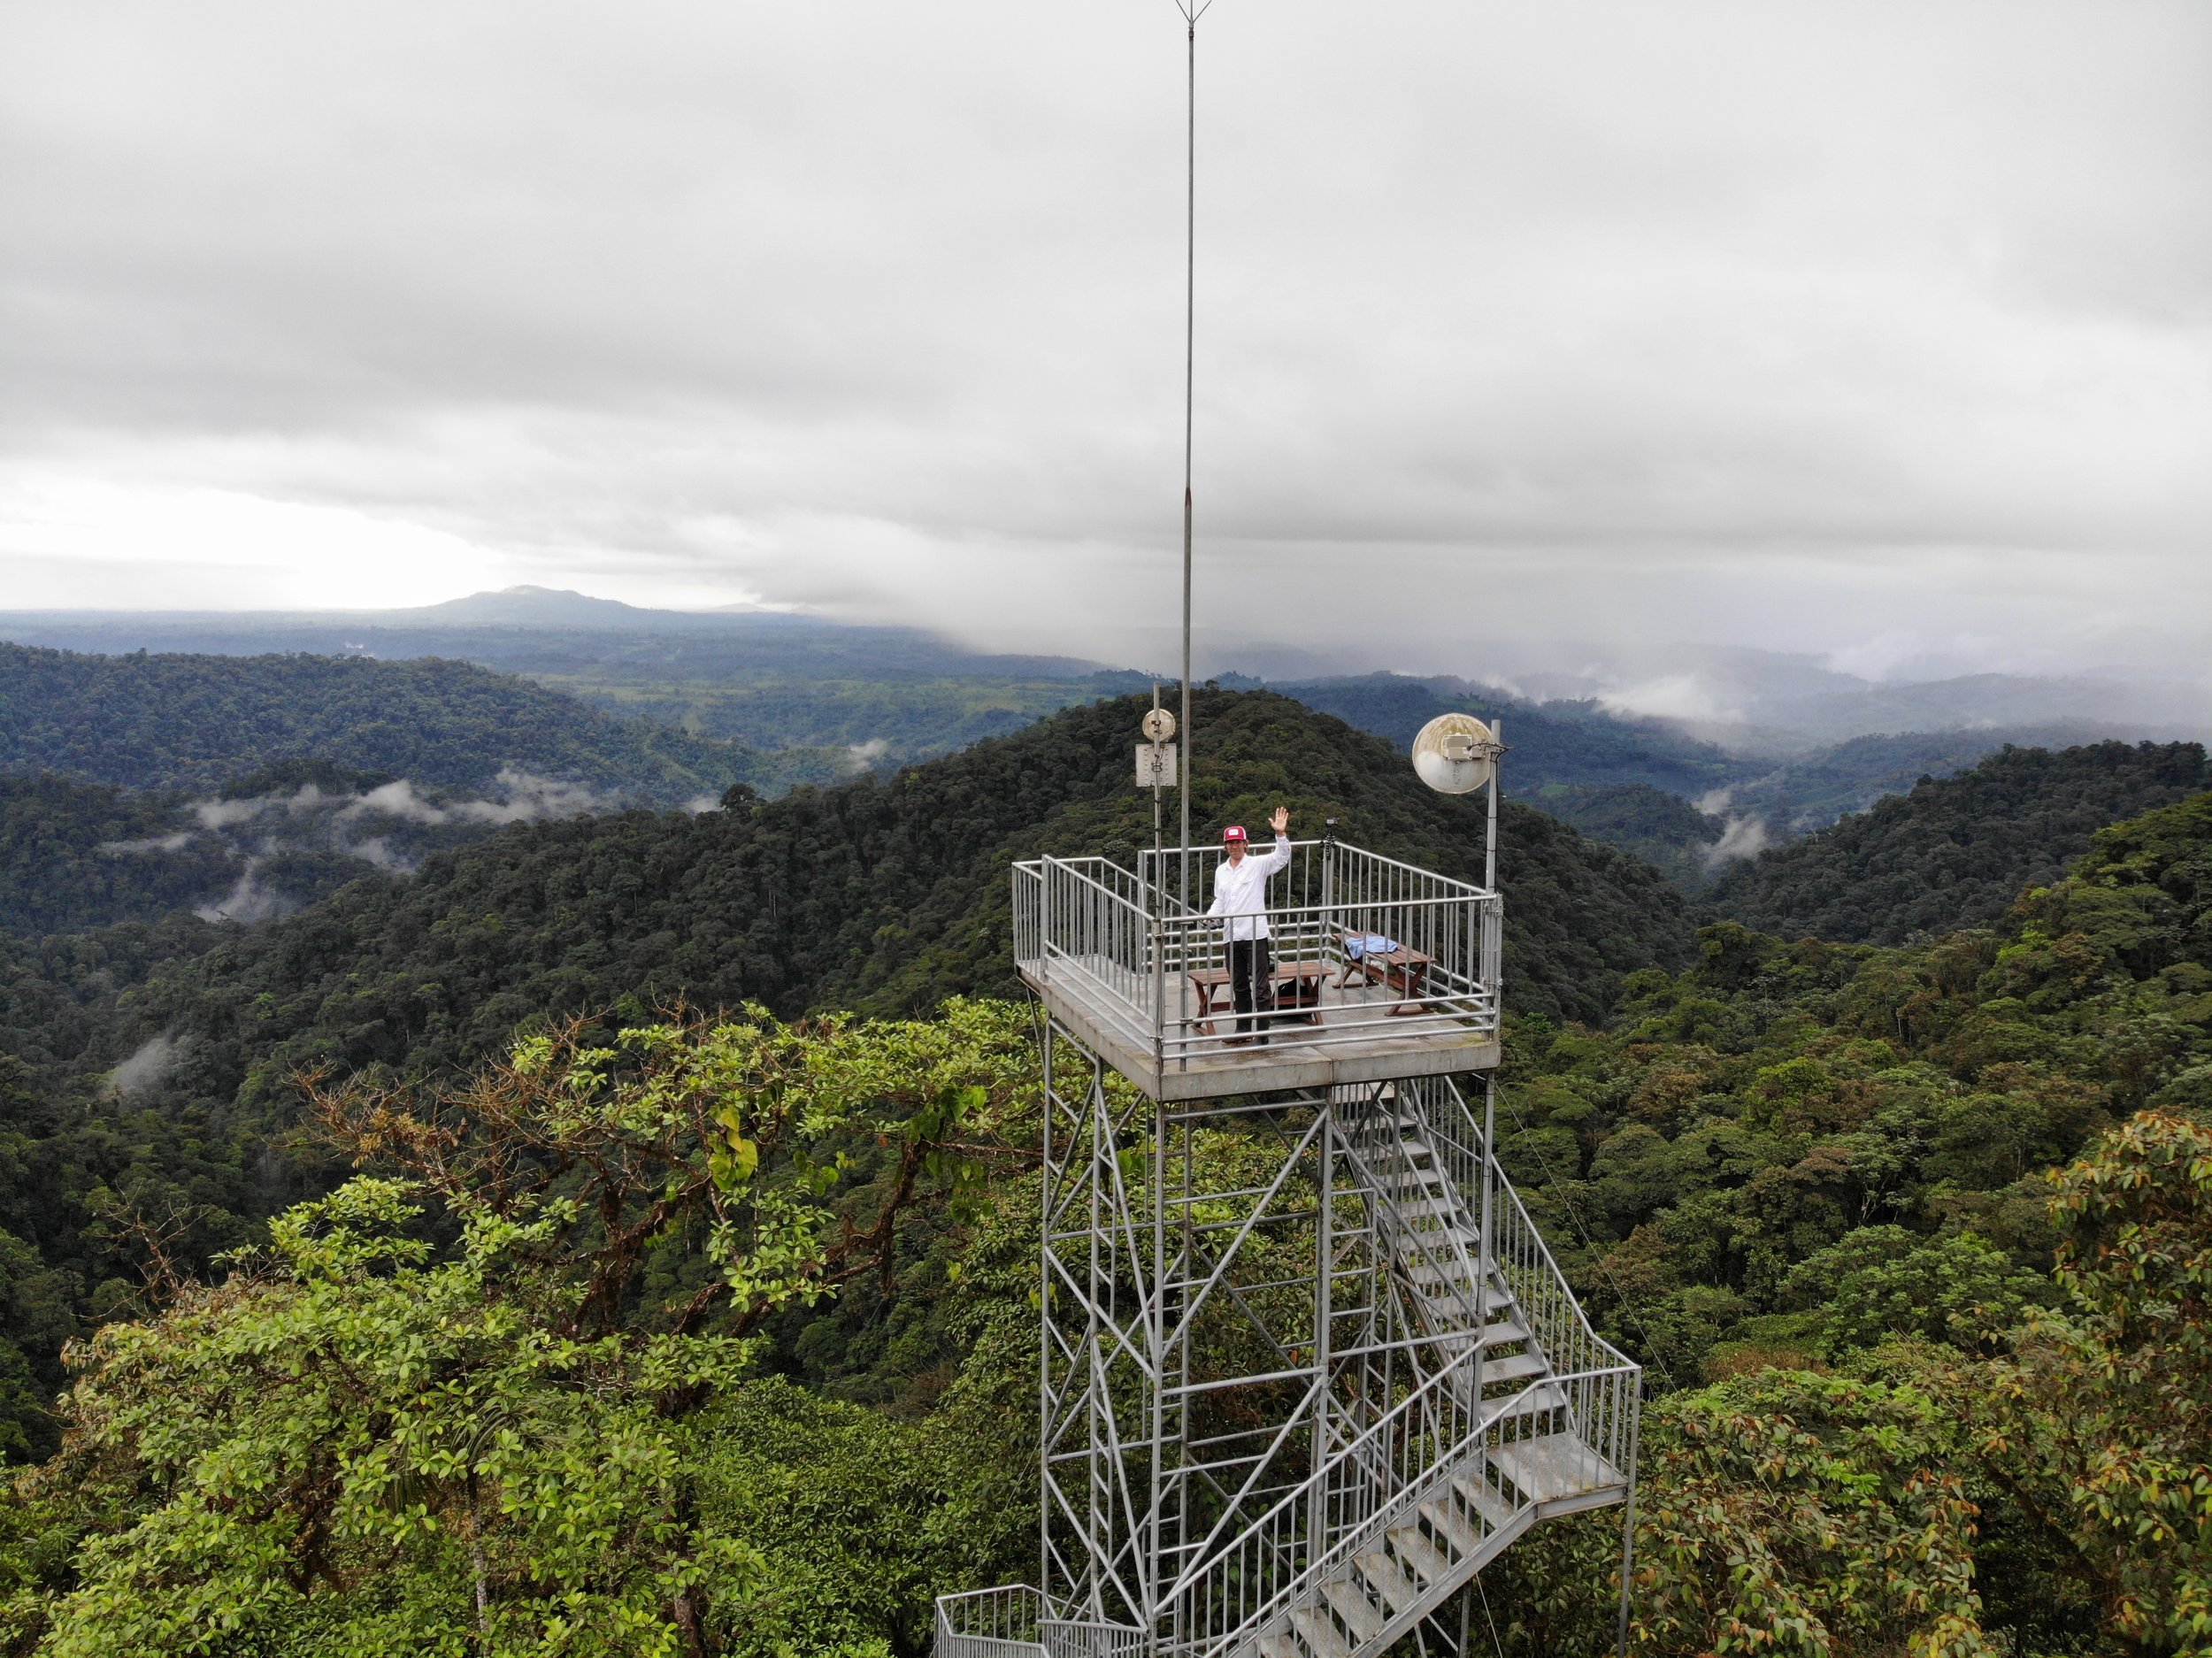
x=1190, y=311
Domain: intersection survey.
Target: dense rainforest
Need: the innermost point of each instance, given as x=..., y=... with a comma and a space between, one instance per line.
x=1955, y=850
x=1913, y=1395
x=637, y=1330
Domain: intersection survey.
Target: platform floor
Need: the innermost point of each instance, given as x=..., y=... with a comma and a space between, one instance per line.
x=1300, y=1054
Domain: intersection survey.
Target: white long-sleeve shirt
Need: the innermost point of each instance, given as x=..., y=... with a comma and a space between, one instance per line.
x=1240, y=889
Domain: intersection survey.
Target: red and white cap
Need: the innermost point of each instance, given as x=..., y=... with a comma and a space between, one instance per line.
x=1234, y=832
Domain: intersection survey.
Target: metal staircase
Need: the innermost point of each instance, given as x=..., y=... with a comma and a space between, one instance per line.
x=1527, y=1454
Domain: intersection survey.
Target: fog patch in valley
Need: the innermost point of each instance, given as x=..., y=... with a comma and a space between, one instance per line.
x=176, y=842
x=1742, y=838
x=250, y=899
x=148, y=1067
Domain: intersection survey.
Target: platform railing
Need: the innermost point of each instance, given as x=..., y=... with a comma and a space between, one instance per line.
x=1018, y=1621
x=1364, y=947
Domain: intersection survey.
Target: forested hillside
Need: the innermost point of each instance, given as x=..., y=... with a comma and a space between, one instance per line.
x=56, y=876
x=191, y=723
x=1913, y=1395
x=1955, y=851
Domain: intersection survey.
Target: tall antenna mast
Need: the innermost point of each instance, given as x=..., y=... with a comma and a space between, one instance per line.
x=1190, y=324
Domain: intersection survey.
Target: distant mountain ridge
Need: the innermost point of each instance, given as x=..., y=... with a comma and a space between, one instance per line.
x=193, y=723
x=532, y=629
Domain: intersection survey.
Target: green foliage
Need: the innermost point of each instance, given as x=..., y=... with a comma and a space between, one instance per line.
x=1788, y=1512
x=1956, y=851
x=1883, y=1281
x=532, y=1438
x=2102, y=1421
x=59, y=871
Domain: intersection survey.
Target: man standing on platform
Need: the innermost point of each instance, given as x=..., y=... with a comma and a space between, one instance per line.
x=1241, y=895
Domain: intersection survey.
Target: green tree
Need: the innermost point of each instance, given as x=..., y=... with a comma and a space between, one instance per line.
x=366, y=1438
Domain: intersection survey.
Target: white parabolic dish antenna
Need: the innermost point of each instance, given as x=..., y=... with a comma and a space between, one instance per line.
x=1456, y=754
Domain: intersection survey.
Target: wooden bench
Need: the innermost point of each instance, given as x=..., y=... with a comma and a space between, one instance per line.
x=1297, y=995
x=1404, y=971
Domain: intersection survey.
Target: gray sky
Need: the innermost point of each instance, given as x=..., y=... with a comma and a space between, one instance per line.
x=1878, y=330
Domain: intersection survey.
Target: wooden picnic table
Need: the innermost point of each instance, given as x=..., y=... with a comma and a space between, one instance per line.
x=1402, y=969
x=1297, y=995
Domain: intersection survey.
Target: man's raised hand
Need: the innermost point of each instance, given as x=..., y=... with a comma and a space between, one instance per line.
x=1281, y=819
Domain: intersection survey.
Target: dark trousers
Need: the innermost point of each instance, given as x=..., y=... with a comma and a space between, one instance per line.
x=1252, y=981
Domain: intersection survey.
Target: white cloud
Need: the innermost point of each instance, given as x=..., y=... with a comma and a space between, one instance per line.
x=1741, y=838
x=1671, y=697
x=250, y=899
x=175, y=842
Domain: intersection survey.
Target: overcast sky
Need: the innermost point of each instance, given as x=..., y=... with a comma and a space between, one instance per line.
x=1878, y=330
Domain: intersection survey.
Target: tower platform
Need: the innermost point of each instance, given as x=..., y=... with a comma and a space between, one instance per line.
x=1380, y=969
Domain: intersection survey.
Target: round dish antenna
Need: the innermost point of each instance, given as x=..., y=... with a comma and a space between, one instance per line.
x=1456, y=754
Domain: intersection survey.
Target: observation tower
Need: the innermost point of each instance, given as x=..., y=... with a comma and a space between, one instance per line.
x=1307, y=1366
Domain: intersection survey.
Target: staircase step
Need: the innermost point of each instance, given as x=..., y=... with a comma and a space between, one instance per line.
x=1280, y=1647
x=1554, y=1466
x=1409, y=1546
x=1321, y=1636
x=1443, y=1208
x=1543, y=1399
x=1447, y=1523
x=1492, y=1505
x=1355, y=1610
x=1518, y=1367
x=1431, y=1281
x=1389, y=1579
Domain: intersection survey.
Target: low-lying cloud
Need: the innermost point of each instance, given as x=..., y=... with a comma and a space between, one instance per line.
x=390, y=828
x=148, y=1067
x=1742, y=838
x=176, y=842
x=250, y=899
x=525, y=797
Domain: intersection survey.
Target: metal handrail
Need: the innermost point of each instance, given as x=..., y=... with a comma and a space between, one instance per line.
x=1117, y=939
x=1274, y=1542
x=1524, y=1259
